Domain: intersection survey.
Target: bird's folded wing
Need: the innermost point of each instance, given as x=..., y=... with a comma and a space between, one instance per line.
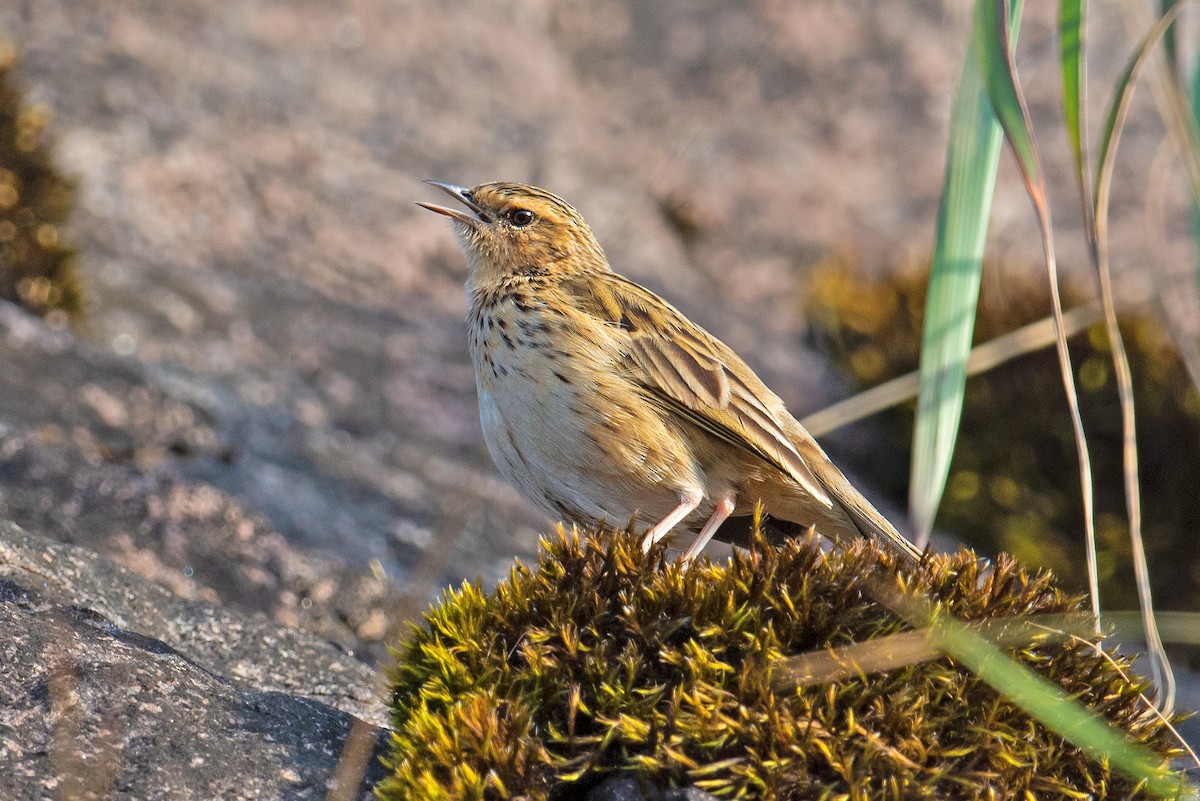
x=696, y=376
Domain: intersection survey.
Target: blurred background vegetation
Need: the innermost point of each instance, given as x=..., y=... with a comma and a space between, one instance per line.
x=1014, y=482
x=37, y=267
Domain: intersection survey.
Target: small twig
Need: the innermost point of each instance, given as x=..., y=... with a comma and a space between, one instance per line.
x=986, y=356
x=906, y=648
x=352, y=764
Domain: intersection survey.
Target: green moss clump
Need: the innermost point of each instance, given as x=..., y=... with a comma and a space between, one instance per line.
x=1014, y=480
x=600, y=659
x=37, y=270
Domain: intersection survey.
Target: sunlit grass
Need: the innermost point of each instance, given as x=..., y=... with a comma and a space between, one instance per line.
x=950, y=313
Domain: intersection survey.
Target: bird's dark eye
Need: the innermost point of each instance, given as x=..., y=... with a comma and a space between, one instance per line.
x=520, y=217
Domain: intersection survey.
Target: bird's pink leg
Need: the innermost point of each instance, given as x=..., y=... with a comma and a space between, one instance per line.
x=721, y=513
x=687, y=505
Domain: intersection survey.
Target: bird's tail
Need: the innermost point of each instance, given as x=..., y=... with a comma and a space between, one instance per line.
x=877, y=527
x=873, y=525
x=865, y=517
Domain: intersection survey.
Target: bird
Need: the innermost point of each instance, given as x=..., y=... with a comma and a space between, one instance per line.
x=600, y=401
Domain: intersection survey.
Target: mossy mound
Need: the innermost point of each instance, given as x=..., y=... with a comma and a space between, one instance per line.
x=1014, y=478
x=37, y=270
x=600, y=659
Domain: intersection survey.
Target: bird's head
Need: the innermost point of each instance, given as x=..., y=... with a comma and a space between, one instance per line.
x=516, y=229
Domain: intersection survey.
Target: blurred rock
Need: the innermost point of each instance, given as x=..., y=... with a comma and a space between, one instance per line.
x=99, y=465
x=292, y=320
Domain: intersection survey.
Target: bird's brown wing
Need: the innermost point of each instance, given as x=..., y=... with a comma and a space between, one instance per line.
x=694, y=374
x=688, y=370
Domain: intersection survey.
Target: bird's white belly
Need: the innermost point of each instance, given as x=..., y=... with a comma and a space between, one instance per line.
x=537, y=432
x=539, y=446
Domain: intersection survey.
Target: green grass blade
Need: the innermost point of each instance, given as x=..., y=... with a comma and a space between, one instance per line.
x=1072, y=36
x=971, y=160
x=1046, y=702
x=1037, y=696
x=999, y=76
x=1071, y=32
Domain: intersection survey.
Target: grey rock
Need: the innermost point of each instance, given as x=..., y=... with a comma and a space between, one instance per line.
x=187, y=483
x=623, y=787
x=619, y=787
x=688, y=794
x=94, y=711
x=111, y=688
x=236, y=646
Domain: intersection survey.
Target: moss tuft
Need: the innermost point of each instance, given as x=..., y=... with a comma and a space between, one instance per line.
x=600, y=660
x=37, y=270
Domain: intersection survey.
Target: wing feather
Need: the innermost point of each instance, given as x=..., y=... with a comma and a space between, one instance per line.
x=693, y=373
x=678, y=371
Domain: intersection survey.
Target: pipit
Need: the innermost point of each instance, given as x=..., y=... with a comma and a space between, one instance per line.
x=601, y=402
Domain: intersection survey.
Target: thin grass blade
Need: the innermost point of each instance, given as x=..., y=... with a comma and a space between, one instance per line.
x=1039, y=697
x=1195, y=205
x=951, y=300
x=999, y=74
x=1182, y=628
x=1169, y=93
x=983, y=357
x=906, y=648
x=1171, y=40
x=1072, y=34
x=1163, y=675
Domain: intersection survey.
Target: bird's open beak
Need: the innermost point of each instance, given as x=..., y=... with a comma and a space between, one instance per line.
x=462, y=195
